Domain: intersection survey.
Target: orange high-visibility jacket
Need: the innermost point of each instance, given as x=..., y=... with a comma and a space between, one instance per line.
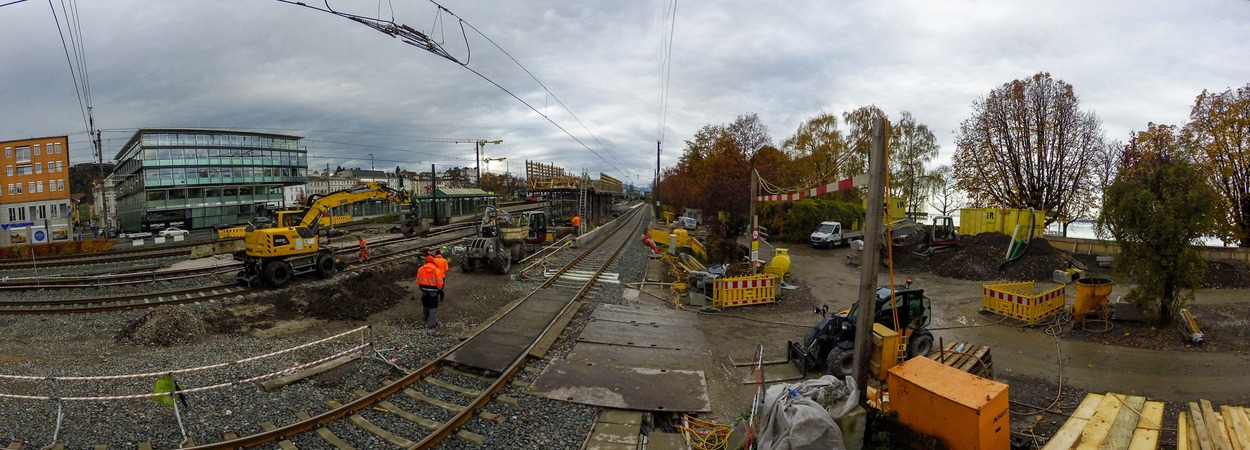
x=577, y=221
x=442, y=264
x=363, y=245
x=430, y=276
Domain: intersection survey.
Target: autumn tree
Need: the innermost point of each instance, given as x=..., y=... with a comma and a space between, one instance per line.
x=1220, y=124
x=942, y=193
x=1028, y=145
x=1157, y=205
x=815, y=148
x=859, y=136
x=912, y=147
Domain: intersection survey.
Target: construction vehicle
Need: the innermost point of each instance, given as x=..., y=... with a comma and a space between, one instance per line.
x=939, y=237
x=829, y=345
x=274, y=255
x=503, y=239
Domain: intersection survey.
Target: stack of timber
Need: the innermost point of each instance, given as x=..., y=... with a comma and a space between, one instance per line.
x=1205, y=427
x=971, y=358
x=1111, y=421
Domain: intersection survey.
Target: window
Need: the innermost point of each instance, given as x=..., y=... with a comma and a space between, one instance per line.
x=23, y=154
x=43, y=212
x=24, y=169
x=58, y=148
x=8, y=152
x=60, y=185
x=59, y=166
x=11, y=191
x=36, y=149
x=8, y=170
x=30, y=187
x=38, y=167
x=55, y=211
x=40, y=186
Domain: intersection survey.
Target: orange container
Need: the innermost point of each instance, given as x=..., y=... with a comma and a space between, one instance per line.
x=963, y=410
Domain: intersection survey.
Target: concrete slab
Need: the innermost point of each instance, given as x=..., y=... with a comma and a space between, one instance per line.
x=624, y=387
x=666, y=441
x=645, y=314
x=496, y=347
x=621, y=416
x=624, y=356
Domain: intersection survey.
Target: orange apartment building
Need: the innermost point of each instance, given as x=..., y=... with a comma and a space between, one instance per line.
x=34, y=192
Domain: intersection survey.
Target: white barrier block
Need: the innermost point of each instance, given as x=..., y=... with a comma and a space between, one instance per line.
x=136, y=242
x=158, y=240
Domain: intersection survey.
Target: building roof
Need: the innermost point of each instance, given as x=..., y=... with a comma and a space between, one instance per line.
x=143, y=131
x=461, y=193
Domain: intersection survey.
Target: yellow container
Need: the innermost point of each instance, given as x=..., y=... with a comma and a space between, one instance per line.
x=963, y=410
x=885, y=350
x=973, y=221
x=1091, y=295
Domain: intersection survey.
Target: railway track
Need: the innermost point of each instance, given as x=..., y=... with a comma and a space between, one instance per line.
x=476, y=370
x=11, y=306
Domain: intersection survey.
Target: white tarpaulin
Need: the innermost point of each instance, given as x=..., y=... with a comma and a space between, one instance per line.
x=801, y=416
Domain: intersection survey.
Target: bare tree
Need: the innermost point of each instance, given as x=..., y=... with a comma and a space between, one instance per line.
x=1027, y=145
x=943, y=195
x=912, y=146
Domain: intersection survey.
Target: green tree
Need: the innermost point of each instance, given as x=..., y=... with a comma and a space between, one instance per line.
x=1158, y=204
x=1028, y=144
x=912, y=147
x=1220, y=123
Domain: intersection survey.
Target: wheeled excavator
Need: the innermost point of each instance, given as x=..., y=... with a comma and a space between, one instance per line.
x=274, y=255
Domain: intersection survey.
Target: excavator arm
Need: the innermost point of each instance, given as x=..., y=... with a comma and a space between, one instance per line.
x=320, y=205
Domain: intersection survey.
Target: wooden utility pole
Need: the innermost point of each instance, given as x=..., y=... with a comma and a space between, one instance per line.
x=871, y=259
x=755, y=226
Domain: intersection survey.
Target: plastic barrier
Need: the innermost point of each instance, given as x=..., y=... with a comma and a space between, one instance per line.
x=683, y=240
x=1017, y=301
x=743, y=291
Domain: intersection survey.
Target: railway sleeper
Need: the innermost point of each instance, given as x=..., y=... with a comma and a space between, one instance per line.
x=364, y=424
x=325, y=434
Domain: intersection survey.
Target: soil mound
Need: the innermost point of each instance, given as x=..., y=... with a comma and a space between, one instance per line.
x=982, y=257
x=1227, y=274
x=164, y=326
x=357, y=298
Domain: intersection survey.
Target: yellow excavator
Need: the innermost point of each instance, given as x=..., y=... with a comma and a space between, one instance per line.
x=274, y=255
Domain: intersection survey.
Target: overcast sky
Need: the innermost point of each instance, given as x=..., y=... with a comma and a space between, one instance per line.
x=351, y=91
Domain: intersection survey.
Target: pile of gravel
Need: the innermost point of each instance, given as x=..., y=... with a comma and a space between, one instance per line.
x=164, y=326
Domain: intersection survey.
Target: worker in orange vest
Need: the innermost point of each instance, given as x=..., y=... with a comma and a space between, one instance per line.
x=442, y=263
x=577, y=226
x=430, y=281
x=364, y=249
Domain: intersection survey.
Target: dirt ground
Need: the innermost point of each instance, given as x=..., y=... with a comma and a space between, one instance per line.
x=1043, y=371
x=1048, y=374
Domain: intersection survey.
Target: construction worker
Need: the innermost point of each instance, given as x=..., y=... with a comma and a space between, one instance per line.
x=442, y=263
x=577, y=226
x=430, y=281
x=364, y=249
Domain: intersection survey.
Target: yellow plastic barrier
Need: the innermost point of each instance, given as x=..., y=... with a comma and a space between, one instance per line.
x=1017, y=301
x=661, y=238
x=743, y=291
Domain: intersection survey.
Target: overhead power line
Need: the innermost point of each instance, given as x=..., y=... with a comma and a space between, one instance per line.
x=425, y=42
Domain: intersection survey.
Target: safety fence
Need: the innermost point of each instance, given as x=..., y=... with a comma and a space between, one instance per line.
x=1017, y=300
x=744, y=291
x=169, y=388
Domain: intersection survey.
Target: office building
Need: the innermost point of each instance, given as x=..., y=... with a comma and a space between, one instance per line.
x=34, y=192
x=193, y=179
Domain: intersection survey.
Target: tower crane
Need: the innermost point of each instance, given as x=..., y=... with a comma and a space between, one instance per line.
x=477, y=150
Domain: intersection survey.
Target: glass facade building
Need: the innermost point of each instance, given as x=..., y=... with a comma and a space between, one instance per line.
x=194, y=179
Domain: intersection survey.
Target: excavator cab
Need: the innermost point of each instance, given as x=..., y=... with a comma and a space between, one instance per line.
x=537, y=223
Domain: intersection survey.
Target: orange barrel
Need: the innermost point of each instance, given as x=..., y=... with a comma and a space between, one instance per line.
x=1091, y=293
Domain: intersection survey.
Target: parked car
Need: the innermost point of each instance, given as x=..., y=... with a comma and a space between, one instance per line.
x=688, y=223
x=172, y=231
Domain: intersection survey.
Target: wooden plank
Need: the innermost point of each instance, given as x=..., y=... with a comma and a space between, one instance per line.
x=1182, y=431
x=1072, y=428
x=1215, y=423
x=1243, y=420
x=1200, y=427
x=315, y=370
x=1146, y=436
x=1100, y=425
x=1121, y=431
x=1235, y=434
x=974, y=363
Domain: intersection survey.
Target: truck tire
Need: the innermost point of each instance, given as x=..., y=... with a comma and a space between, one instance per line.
x=841, y=362
x=505, y=262
x=920, y=344
x=277, y=273
x=325, y=265
x=467, y=265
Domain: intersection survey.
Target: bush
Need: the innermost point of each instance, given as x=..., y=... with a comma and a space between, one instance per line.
x=793, y=222
x=57, y=249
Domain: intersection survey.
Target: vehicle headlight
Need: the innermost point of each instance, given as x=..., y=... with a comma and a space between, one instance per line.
x=845, y=325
